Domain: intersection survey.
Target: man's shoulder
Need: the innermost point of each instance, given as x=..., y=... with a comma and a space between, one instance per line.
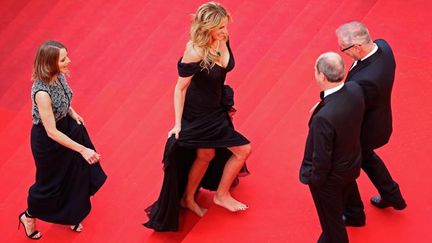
x=383, y=45
x=353, y=87
x=350, y=96
x=344, y=93
x=323, y=118
x=381, y=42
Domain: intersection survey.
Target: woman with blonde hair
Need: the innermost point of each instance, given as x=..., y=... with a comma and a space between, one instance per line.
x=67, y=166
x=203, y=149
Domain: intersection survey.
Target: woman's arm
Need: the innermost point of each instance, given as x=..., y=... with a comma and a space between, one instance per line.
x=179, y=98
x=72, y=113
x=43, y=102
x=191, y=54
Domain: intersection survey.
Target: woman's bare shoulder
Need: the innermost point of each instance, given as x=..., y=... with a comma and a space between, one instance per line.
x=192, y=53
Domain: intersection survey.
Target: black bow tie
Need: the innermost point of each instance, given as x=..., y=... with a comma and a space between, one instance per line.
x=322, y=95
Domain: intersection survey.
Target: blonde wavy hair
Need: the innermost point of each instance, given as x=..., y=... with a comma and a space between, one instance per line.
x=207, y=18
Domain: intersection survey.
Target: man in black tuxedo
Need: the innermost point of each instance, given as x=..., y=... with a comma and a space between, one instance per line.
x=374, y=70
x=332, y=156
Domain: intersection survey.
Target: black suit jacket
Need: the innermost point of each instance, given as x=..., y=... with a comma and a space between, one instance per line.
x=376, y=76
x=333, y=150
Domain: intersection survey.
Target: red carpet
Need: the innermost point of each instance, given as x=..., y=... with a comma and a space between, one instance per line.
x=124, y=56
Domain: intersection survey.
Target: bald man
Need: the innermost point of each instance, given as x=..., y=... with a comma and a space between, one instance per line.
x=332, y=157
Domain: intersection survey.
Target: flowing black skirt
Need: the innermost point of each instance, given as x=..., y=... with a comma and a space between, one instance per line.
x=64, y=179
x=215, y=130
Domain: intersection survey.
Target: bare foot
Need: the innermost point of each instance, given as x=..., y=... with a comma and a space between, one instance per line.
x=193, y=206
x=77, y=228
x=228, y=202
x=29, y=226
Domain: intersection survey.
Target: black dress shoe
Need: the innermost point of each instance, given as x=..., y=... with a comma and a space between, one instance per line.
x=378, y=202
x=354, y=222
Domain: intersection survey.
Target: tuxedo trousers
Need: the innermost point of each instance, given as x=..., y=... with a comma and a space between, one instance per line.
x=379, y=175
x=329, y=203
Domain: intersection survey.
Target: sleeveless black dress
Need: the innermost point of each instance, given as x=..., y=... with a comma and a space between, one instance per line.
x=205, y=124
x=64, y=180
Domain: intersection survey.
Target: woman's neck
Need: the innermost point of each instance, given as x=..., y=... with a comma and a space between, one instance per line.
x=215, y=46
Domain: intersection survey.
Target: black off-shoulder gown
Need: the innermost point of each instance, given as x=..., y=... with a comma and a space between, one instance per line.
x=205, y=124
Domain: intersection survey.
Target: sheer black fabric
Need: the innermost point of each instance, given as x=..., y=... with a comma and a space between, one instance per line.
x=64, y=180
x=205, y=124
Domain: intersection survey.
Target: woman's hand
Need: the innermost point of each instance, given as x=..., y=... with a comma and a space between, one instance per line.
x=90, y=155
x=76, y=116
x=176, y=130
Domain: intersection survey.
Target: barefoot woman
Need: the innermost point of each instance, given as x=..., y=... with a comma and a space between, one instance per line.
x=203, y=148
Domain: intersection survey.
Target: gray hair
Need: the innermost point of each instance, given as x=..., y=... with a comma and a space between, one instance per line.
x=353, y=33
x=332, y=66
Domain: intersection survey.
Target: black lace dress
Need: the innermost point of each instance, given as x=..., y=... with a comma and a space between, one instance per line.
x=205, y=124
